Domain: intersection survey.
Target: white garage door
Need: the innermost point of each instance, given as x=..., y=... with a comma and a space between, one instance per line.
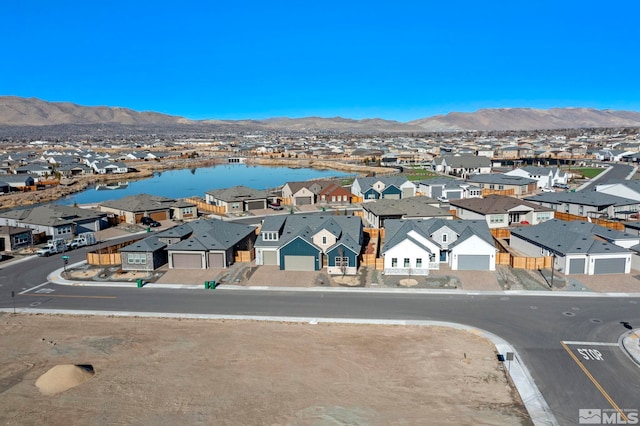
x=576, y=266
x=471, y=262
x=187, y=261
x=299, y=263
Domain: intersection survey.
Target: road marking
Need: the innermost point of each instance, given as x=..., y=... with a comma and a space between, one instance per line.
x=45, y=291
x=594, y=381
x=70, y=296
x=33, y=288
x=568, y=342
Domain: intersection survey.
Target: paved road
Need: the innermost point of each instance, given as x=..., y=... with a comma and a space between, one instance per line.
x=617, y=172
x=537, y=326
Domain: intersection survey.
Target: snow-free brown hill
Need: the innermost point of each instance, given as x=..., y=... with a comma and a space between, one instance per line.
x=16, y=111
x=529, y=119
x=26, y=112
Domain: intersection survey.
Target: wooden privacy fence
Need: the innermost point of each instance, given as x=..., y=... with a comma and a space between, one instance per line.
x=486, y=192
x=618, y=226
x=206, y=208
x=522, y=262
x=245, y=255
x=108, y=256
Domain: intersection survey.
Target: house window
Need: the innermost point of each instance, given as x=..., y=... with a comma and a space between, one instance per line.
x=581, y=210
x=22, y=239
x=64, y=229
x=500, y=186
x=394, y=262
x=342, y=261
x=492, y=186
x=137, y=258
x=324, y=240
x=235, y=206
x=419, y=262
x=444, y=238
x=407, y=262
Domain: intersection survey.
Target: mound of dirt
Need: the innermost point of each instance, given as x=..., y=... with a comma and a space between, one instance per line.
x=62, y=377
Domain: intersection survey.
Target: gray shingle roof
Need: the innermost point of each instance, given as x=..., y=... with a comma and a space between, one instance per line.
x=585, y=198
x=150, y=244
x=575, y=237
x=407, y=207
x=495, y=204
x=237, y=193
x=212, y=234
x=140, y=203
x=500, y=179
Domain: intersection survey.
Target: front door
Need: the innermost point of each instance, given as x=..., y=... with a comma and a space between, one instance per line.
x=443, y=256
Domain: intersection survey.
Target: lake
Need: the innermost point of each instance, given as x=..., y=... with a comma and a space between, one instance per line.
x=195, y=182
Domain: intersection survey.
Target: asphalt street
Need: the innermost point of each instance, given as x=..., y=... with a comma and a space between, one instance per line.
x=539, y=327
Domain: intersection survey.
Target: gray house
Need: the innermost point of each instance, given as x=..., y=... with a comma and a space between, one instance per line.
x=212, y=243
x=144, y=255
x=592, y=204
x=377, y=212
x=55, y=220
x=237, y=199
x=577, y=247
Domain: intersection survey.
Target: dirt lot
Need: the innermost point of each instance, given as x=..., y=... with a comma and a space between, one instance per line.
x=169, y=371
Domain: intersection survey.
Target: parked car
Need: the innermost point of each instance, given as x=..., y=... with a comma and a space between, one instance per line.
x=146, y=220
x=275, y=206
x=46, y=251
x=561, y=186
x=154, y=224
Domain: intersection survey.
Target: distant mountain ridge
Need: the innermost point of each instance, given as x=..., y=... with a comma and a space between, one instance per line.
x=17, y=111
x=529, y=119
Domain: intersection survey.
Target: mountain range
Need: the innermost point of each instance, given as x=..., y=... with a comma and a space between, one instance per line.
x=17, y=111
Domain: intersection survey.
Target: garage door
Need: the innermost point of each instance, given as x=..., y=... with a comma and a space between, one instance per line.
x=301, y=201
x=256, y=205
x=436, y=191
x=299, y=263
x=159, y=216
x=391, y=196
x=187, y=261
x=407, y=192
x=454, y=195
x=610, y=266
x=270, y=257
x=576, y=266
x=470, y=262
x=216, y=260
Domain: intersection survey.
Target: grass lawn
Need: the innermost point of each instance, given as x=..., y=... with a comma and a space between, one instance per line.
x=589, y=172
x=414, y=174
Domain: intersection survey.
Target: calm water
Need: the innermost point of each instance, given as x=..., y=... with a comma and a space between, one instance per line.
x=195, y=182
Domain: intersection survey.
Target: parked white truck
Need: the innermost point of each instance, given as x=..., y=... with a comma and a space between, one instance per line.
x=53, y=247
x=84, y=239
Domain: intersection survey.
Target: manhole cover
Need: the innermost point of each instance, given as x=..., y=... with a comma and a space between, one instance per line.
x=504, y=298
x=533, y=307
x=569, y=314
x=595, y=320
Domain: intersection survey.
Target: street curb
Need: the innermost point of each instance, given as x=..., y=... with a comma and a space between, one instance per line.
x=630, y=342
x=56, y=278
x=533, y=400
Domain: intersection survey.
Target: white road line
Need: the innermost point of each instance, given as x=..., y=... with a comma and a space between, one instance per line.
x=33, y=288
x=566, y=342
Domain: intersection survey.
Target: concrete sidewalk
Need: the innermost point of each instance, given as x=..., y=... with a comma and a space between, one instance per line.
x=630, y=341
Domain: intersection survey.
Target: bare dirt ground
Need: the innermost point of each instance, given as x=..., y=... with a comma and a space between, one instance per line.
x=169, y=371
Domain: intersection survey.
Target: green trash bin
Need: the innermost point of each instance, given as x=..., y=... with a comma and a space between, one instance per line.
x=139, y=282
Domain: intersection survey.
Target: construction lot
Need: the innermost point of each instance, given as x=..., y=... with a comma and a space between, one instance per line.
x=168, y=371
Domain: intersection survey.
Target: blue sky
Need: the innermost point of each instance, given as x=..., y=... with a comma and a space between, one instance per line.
x=399, y=60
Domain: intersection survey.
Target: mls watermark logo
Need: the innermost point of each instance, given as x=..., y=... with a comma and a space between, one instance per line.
x=609, y=416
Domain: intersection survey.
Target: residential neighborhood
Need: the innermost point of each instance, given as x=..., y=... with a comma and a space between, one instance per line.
x=455, y=213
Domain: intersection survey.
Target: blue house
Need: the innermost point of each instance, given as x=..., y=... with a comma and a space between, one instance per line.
x=309, y=243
